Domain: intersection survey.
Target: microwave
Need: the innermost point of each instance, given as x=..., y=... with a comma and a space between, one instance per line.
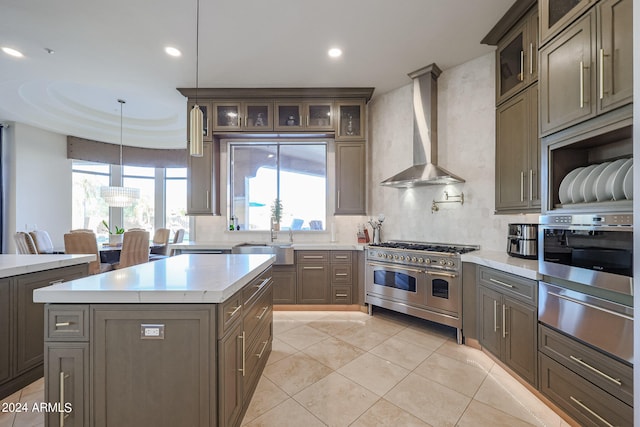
x=591, y=249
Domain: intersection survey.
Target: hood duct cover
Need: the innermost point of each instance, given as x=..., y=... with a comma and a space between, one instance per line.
x=425, y=170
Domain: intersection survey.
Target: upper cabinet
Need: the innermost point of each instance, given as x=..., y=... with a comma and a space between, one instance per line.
x=517, y=58
x=587, y=69
x=311, y=115
x=557, y=14
x=351, y=120
x=238, y=116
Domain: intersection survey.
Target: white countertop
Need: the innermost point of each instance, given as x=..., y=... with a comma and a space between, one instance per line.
x=192, y=278
x=14, y=265
x=327, y=246
x=501, y=261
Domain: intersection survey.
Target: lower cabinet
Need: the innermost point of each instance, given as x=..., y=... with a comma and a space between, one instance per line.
x=313, y=283
x=230, y=354
x=326, y=277
x=507, y=320
x=284, y=284
x=5, y=331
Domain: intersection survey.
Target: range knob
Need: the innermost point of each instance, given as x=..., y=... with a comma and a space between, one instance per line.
x=380, y=254
x=401, y=258
x=442, y=262
x=395, y=257
x=427, y=261
x=420, y=260
x=414, y=259
x=450, y=263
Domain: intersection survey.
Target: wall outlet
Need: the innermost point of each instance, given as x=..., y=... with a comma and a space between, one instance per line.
x=151, y=332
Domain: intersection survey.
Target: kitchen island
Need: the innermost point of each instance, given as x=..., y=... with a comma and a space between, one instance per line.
x=180, y=341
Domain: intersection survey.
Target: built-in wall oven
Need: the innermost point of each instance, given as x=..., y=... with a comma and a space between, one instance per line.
x=587, y=289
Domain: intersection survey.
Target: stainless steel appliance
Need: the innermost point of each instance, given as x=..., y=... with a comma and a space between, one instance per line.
x=420, y=279
x=522, y=241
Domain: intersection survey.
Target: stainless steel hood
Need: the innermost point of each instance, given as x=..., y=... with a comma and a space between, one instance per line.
x=425, y=170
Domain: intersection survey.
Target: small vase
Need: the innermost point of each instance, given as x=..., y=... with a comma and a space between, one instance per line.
x=115, y=239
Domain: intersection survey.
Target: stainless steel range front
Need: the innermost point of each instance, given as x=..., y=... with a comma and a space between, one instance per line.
x=419, y=279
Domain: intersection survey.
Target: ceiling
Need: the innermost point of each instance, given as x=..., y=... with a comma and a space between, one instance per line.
x=115, y=49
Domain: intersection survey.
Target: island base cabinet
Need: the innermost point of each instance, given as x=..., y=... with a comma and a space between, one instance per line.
x=230, y=367
x=5, y=331
x=67, y=388
x=153, y=365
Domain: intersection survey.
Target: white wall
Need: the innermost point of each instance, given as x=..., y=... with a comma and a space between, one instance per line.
x=466, y=147
x=38, y=183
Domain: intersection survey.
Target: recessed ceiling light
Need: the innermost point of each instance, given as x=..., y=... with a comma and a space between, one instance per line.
x=172, y=51
x=335, y=52
x=12, y=52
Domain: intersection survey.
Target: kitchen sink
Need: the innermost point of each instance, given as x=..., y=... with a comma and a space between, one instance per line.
x=282, y=251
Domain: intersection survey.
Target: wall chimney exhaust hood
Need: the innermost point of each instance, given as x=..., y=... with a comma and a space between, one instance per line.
x=425, y=135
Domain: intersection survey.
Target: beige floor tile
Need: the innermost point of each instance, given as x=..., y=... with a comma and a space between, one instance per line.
x=284, y=325
x=466, y=354
x=333, y=352
x=308, y=316
x=385, y=414
x=302, y=337
x=385, y=325
x=422, y=337
x=287, y=414
x=296, y=372
x=374, y=373
x=431, y=402
x=6, y=419
x=401, y=352
x=333, y=326
x=363, y=338
x=452, y=373
x=37, y=385
x=336, y=400
x=266, y=397
x=479, y=414
x=280, y=350
x=28, y=419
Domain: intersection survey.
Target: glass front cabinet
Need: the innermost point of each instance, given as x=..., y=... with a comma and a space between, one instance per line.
x=351, y=120
x=236, y=116
x=313, y=115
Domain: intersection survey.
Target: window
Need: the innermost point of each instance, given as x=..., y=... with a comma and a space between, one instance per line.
x=142, y=213
x=89, y=209
x=293, y=173
x=176, y=200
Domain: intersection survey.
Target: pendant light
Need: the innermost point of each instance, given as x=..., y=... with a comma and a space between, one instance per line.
x=196, y=146
x=120, y=196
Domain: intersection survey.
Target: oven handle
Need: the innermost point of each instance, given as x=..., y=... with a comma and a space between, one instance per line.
x=586, y=304
x=395, y=267
x=437, y=273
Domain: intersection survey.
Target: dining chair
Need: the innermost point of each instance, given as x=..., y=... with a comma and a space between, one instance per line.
x=24, y=243
x=81, y=230
x=160, y=244
x=42, y=240
x=177, y=238
x=86, y=243
x=135, y=249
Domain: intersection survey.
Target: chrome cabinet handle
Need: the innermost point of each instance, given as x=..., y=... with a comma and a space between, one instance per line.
x=312, y=256
x=341, y=274
x=616, y=381
x=264, y=347
x=504, y=320
x=235, y=310
x=530, y=58
x=495, y=316
x=207, y=198
x=530, y=184
x=264, y=310
x=522, y=186
x=581, y=84
x=313, y=268
x=522, y=65
x=59, y=324
x=501, y=283
x=341, y=295
x=341, y=257
x=263, y=283
x=591, y=411
x=63, y=415
x=601, y=73
x=242, y=337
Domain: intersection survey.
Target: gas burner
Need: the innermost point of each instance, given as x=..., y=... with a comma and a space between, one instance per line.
x=426, y=247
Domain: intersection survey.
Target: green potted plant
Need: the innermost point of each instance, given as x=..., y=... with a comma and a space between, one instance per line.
x=114, y=238
x=276, y=213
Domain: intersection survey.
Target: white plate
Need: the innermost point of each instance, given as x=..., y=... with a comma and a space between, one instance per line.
x=563, y=191
x=627, y=185
x=602, y=194
x=615, y=184
x=588, y=185
x=575, y=189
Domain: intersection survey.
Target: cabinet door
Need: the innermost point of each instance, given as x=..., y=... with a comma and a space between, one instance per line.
x=534, y=149
x=258, y=116
x=230, y=375
x=227, y=116
x=67, y=383
x=206, y=108
x=520, y=338
x=511, y=61
x=351, y=120
x=288, y=116
x=350, y=178
x=489, y=320
x=5, y=331
x=200, y=185
x=319, y=115
x=615, y=53
x=555, y=15
x=313, y=284
x=284, y=285
x=512, y=145
x=567, y=86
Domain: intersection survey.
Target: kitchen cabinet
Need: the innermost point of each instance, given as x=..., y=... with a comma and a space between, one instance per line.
x=307, y=115
x=555, y=15
x=518, y=154
x=351, y=120
x=587, y=69
x=313, y=277
x=231, y=372
x=202, y=195
x=507, y=320
x=284, y=284
x=207, y=111
x=21, y=320
x=342, y=277
x=240, y=115
x=350, y=178
x=517, y=57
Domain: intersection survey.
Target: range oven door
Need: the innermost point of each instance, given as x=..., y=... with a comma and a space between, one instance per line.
x=403, y=284
x=443, y=291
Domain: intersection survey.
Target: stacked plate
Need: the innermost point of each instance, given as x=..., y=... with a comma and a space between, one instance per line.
x=599, y=182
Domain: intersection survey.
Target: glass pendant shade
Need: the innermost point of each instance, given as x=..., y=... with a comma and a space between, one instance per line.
x=119, y=197
x=195, y=131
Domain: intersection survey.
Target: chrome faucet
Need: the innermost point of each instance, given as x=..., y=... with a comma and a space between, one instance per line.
x=274, y=233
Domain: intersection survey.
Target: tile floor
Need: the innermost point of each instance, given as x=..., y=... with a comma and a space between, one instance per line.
x=350, y=369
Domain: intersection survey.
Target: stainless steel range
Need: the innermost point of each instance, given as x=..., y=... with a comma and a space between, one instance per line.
x=419, y=279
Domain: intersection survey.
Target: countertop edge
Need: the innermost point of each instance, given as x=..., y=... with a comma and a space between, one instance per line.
x=25, y=264
x=527, y=268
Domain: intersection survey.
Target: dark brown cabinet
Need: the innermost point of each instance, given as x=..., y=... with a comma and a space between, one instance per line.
x=313, y=277
x=507, y=320
x=284, y=284
x=5, y=330
x=202, y=196
x=240, y=115
x=351, y=120
x=518, y=153
x=350, y=178
x=555, y=15
x=587, y=69
x=307, y=115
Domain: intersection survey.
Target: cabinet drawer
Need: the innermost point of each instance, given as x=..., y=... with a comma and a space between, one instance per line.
x=341, y=295
x=303, y=257
x=256, y=355
x=228, y=312
x=258, y=313
x=252, y=291
x=66, y=322
x=341, y=256
x=510, y=284
x=588, y=404
x=341, y=274
x=607, y=373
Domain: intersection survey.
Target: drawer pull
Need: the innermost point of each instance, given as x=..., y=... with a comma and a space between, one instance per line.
x=341, y=295
x=60, y=324
x=341, y=274
x=313, y=268
x=264, y=310
x=242, y=337
x=341, y=257
x=264, y=282
x=589, y=410
x=56, y=282
x=498, y=282
x=235, y=310
x=264, y=347
x=313, y=256
x=616, y=381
